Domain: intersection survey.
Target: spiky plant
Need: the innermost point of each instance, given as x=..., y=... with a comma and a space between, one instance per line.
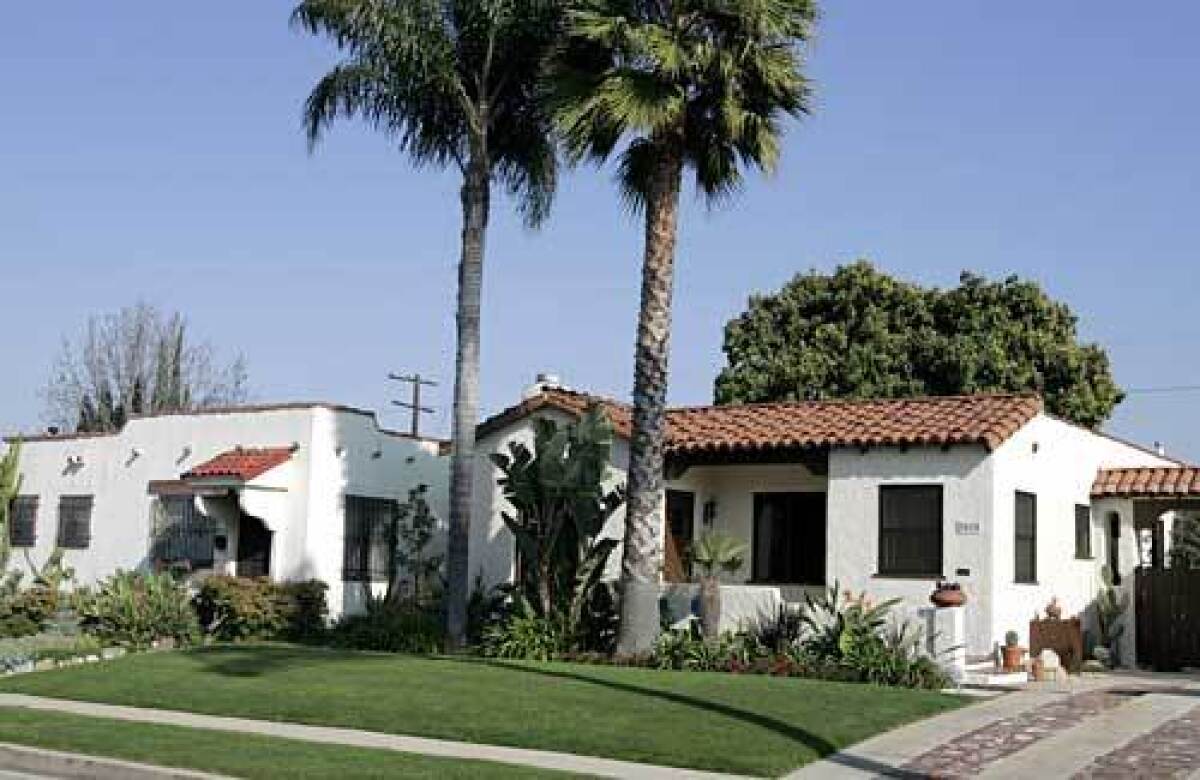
x=715, y=552
x=677, y=85
x=10, y=486
x=453, y=84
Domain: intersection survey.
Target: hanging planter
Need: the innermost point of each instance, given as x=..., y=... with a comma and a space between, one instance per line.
x=948, y=594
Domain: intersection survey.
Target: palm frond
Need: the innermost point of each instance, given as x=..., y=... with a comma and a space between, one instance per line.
x=708, y=80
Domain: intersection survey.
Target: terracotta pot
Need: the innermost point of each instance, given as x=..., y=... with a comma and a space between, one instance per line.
x=948, y=598
x=710, y=607
x=1012, y=658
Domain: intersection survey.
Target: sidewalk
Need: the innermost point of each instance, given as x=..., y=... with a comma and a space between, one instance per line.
x=541, y=759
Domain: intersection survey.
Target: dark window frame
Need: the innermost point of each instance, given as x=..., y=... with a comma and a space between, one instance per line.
x=811, y=570
x=366, y=531
x=75, y=521
x=22, y=521
x=934, y=565
x=1083, y=532
x=1025, y=572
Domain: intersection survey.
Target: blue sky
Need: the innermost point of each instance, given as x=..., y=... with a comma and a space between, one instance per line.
x=153, y=150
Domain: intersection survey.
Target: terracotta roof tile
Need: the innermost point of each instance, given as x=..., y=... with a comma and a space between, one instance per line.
x=242, y=464
x=987, y=420
x=1150, y=481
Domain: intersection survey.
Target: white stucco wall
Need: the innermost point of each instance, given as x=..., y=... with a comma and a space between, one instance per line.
x=301, y=501
x=1057, y=462
x=965, y=474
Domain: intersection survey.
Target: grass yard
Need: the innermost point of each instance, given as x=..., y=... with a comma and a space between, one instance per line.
x=745, y=724
x=239, y=755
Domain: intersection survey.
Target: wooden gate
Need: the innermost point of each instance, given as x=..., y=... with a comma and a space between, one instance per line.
x=1168, y=617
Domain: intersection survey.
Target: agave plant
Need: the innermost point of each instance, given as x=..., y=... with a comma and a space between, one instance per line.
x=715, y=552
x=842, y=624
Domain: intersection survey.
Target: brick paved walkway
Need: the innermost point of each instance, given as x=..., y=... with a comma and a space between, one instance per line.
x=1135, y=726
x=969, y=753
x=1170, y=751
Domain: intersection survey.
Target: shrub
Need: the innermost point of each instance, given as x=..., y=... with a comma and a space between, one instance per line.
x=390, y=628
x=240, y=608
x=16, y=653
x=24, y=612
x=526, y=635
x=310, y=609
x=135, y=609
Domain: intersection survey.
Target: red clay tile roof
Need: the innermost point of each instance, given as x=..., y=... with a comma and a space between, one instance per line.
x=241, y=464
x=987, y=420
x=1150, y=481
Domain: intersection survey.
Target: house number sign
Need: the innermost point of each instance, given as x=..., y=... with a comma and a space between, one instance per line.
x=966, y=529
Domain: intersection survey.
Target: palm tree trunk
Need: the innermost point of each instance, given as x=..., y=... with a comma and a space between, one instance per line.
x=641, y=559
x=475, y=202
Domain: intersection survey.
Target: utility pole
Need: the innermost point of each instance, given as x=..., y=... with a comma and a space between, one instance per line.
x=416, y=380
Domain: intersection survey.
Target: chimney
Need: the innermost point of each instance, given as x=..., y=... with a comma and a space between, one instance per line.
x=1160, y=449
x=545, y=381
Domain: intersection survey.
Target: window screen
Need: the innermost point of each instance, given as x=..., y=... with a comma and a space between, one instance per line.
x=1026, y=538
x=75, y=522
x=910, y=530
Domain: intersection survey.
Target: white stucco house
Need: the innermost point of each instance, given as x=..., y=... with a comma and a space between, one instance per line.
x=291, y=491
x=882, y=496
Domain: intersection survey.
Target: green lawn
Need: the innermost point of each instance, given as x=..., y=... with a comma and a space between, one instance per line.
x=240, y=755
x=735, y=723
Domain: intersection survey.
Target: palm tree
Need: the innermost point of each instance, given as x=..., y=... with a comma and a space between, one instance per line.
x=697, y=85
x=713, y=553
x=454, y=84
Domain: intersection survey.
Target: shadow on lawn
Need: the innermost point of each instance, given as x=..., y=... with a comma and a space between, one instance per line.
x=258, y=660
x=817, y=744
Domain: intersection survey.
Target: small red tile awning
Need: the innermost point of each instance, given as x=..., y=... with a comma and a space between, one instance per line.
x=1148, y=482
x=241, y=464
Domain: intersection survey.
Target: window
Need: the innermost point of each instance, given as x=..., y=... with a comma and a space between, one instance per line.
x=181, y=533
x=75, y=522
x=22, y=520
x=365, y=555
x=789, y=538
x=1083, y=531
x=910, y=530
x=1026, y=538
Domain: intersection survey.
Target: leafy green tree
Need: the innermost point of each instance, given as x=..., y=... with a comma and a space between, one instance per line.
x=859, y=333
x=453, y=84
x=688, y=85
x=1185, y=543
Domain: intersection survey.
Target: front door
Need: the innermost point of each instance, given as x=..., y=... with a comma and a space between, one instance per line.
x=681, y=518
x=253, y=548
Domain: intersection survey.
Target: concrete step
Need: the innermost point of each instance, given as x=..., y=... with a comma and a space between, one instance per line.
x=994, y=678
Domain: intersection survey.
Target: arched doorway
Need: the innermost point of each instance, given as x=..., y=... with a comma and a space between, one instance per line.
x=253, y=547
